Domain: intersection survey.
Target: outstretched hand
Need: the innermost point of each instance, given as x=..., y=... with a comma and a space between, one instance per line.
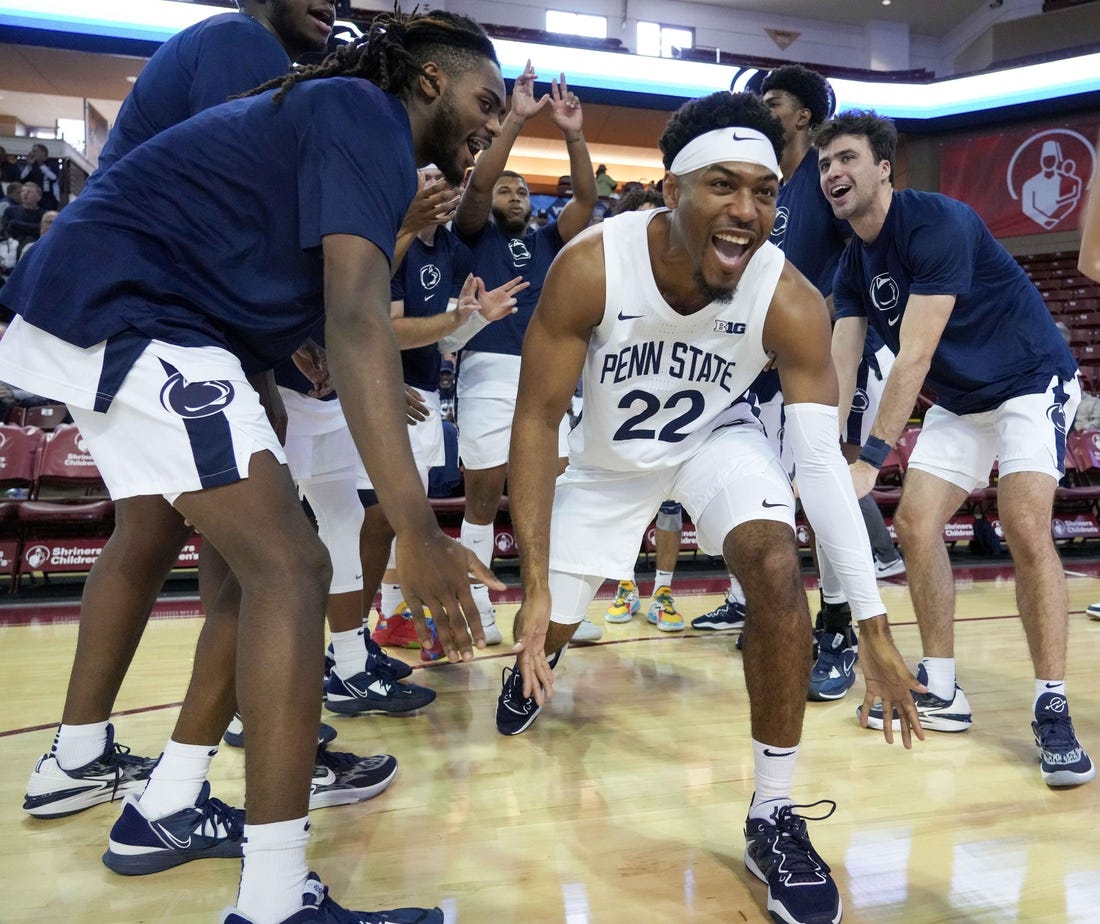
x=433, y=204
x=500, y=302
x=524, y=103
x=531, y=623
x=889, y=680
x=435, y=573
x=565, y=107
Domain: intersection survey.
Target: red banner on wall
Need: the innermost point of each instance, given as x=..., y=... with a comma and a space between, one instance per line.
x=1025, y=181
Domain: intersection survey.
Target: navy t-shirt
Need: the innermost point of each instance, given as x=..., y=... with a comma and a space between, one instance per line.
x=499, y=257
x=806, y=230
x=197, y=68
x=1000, y=340
x=429, y=276
x=210, y=233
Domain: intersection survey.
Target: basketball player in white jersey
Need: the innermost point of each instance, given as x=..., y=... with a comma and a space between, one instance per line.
x=670, y=315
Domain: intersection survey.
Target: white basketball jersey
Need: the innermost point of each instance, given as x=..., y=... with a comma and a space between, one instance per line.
x=658, y=383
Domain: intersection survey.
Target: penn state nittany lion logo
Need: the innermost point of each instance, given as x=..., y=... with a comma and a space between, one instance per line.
x=886, y=297
x=194, y=399
x=521, y=256
x=430, y=276
x=782, y=215
x=1057, y=416
x=860, y=401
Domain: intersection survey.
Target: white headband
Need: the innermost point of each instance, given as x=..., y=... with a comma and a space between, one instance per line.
x=726, y=144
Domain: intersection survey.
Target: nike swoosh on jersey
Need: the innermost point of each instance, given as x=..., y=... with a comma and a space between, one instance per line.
x=629, y=317
x=766, y=503
x=893, y=321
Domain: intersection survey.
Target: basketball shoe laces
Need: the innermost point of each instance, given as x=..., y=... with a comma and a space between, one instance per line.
x=1056, y=734
x=800, y=860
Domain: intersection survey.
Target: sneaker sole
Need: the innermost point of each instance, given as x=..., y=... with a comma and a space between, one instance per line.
x=1093, y=614
x=356, y=707
x=820, y=696
x=335, y=797
x=716, y=626
x=776, y=909
x=1061, y=778
x=942, y=723
x=626, y=617
x=145, y=863
x=493, y=636
x=526, y=725
x=70, y=805
x=670, y=627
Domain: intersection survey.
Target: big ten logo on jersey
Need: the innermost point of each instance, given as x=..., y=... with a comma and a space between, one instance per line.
x=1047, y=175
x=521, y=256
x=729, y=327
x=886, y=297
x=430, y=277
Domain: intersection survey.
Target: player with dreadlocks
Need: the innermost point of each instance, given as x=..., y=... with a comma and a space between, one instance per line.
x=149, y=337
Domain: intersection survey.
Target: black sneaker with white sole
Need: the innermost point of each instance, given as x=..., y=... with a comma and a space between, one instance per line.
x=376, y=691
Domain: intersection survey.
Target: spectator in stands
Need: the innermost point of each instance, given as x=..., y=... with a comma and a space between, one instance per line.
x=539, y=220
x=23, y=222
x=564, y=194
x=605, y=185
x=447, y=390
x=11, y=196
x=960, y=315
x=40, y=170
x=43, y=227
x=9, y=168
x=492, y=219
x=338, y=241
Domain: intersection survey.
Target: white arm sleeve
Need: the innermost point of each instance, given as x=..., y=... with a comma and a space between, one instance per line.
x=452, y=343
x=825, y=488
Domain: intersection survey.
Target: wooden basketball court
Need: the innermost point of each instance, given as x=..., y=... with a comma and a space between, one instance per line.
x=624, y=802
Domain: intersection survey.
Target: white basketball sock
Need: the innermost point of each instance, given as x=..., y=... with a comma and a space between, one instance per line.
x=177, y=778
x=349, y=650
x=75, y=746
x=774, y=775
x=736, y=593
x=392, y=598
x=1042, y=687
x=273, y=875
x=478, y=538
x=662, y=579
x=941, y=676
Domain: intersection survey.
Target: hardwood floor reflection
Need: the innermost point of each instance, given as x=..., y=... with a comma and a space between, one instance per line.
x=624, y=802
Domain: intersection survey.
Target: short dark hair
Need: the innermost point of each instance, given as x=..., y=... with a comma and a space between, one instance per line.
x=864, y=123
x=719, y=110
x=808, y=87
x=511, y=173
x=636, y=198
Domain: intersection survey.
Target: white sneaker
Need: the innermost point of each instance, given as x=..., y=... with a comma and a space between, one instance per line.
x=489, y=626
x=1093, y=611
x=890, y=568
x=587, y=632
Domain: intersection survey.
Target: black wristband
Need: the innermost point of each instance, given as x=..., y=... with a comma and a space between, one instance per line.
x=874, y=451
